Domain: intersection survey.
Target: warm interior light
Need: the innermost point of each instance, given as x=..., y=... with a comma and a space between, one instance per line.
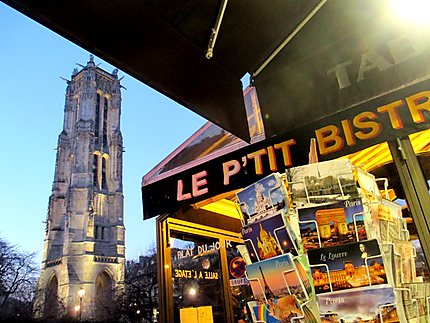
x=192, y=291
x=81, y=292
x=77, y=308
x=412, y=11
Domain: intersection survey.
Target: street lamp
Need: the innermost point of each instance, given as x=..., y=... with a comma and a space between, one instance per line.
x=81, y=293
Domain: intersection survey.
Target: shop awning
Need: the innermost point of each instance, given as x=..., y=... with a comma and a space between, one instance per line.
x=309, y=59
x=330, y=68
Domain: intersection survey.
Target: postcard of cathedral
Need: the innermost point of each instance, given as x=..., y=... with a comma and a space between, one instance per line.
x=269, y=237
x=347, y=266
x=332, y=224
x=263, y=198
x=366, y=304
x=322, y=182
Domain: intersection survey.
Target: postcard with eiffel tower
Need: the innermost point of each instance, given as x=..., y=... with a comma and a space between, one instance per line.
x=283, y=284
x=275, y=277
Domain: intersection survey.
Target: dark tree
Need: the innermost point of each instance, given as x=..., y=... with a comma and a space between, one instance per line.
x=18, y=276
x=140, y=295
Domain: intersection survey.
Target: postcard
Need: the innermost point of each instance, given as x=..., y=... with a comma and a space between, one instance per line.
x=283, y=310
x=387, y=250
x=367, y=304
x=277, y=277
x=368, y=184
x=263, y=198
x=329, y=317
x=332, y=224
x=347, y=266
x=260, y=312
x=404, y=262
x=322, y=182
x=283, y=284
x=269, y=237
x=414, y=299
x=392, y=230
x=387, y=222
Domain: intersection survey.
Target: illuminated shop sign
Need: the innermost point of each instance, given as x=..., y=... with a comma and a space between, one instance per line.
x=200, y=250
x=195, y=274
x=387, y=117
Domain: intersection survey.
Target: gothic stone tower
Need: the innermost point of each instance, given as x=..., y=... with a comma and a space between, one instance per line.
x=84, y=241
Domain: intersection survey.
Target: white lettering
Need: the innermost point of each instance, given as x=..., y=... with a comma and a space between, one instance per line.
x=370, y=61
x=402, y=49
x=341, y=74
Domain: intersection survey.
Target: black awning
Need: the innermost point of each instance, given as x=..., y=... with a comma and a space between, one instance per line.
x=309, y=59
x=163, y=43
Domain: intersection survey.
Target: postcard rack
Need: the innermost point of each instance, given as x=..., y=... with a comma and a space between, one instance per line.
x=350, y=239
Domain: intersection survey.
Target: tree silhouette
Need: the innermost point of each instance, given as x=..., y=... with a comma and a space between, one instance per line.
x=140, y=294
x=18, y=275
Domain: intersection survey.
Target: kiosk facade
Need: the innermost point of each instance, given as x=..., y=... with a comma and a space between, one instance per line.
x=201, y=268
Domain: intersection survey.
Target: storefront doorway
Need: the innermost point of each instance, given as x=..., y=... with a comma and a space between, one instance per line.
x=206, y=271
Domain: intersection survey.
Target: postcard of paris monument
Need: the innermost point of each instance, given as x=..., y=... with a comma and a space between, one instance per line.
x=322, y=182
x=347, y=266
x=366, y=304
x=332, y=224
x=269, y=237
x=283, y=284
x=263, y=198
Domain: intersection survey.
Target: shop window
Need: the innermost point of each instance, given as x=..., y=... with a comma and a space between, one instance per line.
x=240, y=289
x=196, y=274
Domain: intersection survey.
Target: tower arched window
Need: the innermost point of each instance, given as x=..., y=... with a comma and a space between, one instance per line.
x=77, y=108
x=105, y=120
x=104, y=172
x=95, y=169
x=97, y=119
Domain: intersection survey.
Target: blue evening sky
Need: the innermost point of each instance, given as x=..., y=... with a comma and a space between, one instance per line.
x=32, y=60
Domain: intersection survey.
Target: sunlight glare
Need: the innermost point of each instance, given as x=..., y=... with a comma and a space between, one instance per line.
x=412, y=11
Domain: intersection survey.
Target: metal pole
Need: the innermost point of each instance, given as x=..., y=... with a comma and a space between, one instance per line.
x=80, y=307
x=414, y=185
x=289, y=38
